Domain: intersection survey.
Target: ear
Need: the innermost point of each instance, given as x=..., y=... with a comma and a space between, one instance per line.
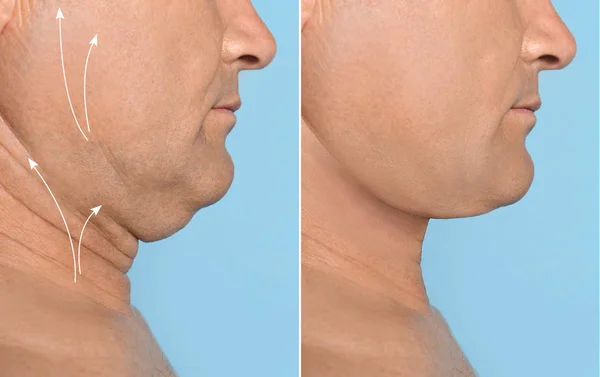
x=6, y=11
x=308, y=7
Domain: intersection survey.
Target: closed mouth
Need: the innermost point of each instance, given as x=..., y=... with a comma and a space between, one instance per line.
x=231, y=106
x=532, y=106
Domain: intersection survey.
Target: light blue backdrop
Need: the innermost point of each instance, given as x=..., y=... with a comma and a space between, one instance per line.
x=519, y=286
x=221, y=296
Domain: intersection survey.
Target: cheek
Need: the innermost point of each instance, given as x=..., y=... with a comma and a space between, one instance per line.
x=492, y=41
x=150, y=88
x=156, y=64
x=153, y=79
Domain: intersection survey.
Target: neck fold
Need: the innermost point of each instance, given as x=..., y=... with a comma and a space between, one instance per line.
x=34, y=240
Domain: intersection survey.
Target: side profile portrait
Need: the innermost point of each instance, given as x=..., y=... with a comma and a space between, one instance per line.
x=113, y=122
x=411, y=111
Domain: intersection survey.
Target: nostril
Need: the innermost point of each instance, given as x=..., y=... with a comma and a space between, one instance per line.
x=249, y=59
x=551, y=60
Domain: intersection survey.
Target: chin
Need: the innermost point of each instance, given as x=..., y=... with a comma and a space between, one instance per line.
x=514, y=191
x=164, y=226
x=170, y=218
x=510, y=187
x=509, y=184
x=217, y=191
x=221, y=180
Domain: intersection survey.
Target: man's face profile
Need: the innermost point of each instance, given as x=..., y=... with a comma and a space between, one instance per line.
x=428, y=103
x=162, y=87
x=412, y=110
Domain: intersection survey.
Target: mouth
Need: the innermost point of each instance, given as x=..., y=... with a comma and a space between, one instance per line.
x=524, y=113
x=223, y=113
x=232, y=105
x=531, y=105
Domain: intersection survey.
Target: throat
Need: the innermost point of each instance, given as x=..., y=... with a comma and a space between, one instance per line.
x=34, y=242
x=396, y=278
x=350, y=233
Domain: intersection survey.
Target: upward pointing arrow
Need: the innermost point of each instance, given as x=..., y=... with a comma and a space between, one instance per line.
x=33, y=165
x=60, y=17
x=93, y=42
x=95, y=211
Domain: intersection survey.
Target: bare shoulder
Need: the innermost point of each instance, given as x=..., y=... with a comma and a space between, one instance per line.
x=349, y=332
x=20, y=361
x=45, y=334
x=17, y=361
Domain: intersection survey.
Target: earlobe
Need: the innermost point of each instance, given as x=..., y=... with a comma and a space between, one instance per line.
x=6, y=11
x=308, y=7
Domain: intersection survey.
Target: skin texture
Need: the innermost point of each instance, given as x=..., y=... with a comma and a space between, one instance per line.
x=409, y=113
x=157, y=84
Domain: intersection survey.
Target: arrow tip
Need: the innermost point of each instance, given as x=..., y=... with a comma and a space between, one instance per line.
x=96, y=210
x=32, y=164
x=94, y=40
x=59, y=14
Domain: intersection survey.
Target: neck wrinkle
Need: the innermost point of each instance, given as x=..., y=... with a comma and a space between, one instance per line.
x=34, y=241
x=348, y=232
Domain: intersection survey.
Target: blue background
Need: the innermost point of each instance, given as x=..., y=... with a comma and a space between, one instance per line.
x=221, y=296
x=519, y=286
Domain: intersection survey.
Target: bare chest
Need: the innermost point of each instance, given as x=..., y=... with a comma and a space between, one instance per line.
x=444, y=355
x=351, y=334
x=44, y=341
x=407, y=350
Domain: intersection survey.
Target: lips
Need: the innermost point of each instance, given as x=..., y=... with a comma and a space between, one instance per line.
x=532, y=105
x=232, y=106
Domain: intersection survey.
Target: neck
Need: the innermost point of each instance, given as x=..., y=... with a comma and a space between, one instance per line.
x=348, y=232
x=34, y=240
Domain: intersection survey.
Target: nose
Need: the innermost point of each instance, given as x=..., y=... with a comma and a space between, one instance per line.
x=548, y=43
x=248, y=43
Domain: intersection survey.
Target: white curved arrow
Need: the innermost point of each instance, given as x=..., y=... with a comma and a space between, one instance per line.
x=60, y=17
x=33, y=165
x=95, y=211
x=93, y=42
